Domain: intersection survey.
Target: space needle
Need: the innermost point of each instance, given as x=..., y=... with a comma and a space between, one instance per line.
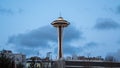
x=60, y=23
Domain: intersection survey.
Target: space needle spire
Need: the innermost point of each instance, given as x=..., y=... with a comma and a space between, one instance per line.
x=60, y=23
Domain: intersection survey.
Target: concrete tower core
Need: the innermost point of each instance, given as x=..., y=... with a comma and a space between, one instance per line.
x=60, y=23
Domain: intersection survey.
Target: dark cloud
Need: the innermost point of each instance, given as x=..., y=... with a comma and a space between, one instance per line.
x=106, y=24
x=35, y=38
x=118, y=9
x=71, y=49
x=90, y=44
x=71, y=33
x=26, y=51
x=40, y=38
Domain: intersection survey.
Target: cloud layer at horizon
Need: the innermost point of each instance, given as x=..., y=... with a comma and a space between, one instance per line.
x=44, y=38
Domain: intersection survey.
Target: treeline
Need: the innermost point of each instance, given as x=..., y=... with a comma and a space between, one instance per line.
x=8, y=62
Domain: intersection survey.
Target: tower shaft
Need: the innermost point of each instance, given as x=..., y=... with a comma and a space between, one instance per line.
x=59, y=42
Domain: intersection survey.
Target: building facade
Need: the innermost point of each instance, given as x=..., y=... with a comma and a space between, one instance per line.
x=37, y=62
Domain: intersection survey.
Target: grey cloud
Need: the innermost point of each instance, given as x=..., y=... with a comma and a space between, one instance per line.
x=71, y=33
x=118, y=9
x=40, y=38
x=106, y=24
x=68, y=49
x=90, y=44
x=71, y=49
x=35, y=38
x=26, y=51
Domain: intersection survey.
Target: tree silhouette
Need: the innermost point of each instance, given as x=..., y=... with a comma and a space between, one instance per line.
x=5, y=61
x=32, y=65
x=20, y=65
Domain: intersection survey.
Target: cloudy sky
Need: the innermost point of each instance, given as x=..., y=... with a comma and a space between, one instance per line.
x=94, y=30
